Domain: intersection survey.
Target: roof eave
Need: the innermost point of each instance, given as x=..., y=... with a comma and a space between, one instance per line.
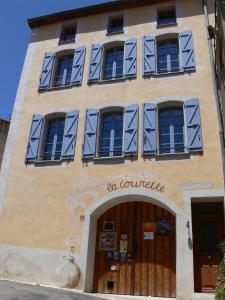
x=88, y=11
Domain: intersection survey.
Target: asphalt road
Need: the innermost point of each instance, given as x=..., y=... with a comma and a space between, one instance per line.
x=17, y=291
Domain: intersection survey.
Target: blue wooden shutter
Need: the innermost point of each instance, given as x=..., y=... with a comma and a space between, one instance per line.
x=34, y=138
x=149, y=129
x=70, y=134
x=187, y=50
x=130, y=58
x=95, y=62
x=193, y=125
x=90, y=133
x=131, y=130
x=149, y=55
x=78, y=65
x=46, y=73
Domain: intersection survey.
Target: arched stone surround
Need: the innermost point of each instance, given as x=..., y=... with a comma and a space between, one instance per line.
x=184, y=255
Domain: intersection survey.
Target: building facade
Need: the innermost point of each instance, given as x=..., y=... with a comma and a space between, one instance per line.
x=112, y=179
x=4, y=128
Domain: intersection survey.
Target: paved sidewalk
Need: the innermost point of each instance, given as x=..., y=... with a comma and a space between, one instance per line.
x=17, y=291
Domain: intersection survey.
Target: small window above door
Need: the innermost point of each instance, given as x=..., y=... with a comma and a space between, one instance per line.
x=68, y=34
x=115, y=25
x=166, y=17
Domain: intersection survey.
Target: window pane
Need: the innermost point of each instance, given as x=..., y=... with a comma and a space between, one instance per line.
x=111, y=135
x=113, y=67
x=64, y=70
x=165, y=139
x=166, y=17
x=171, y=135
x=68, y=34
x=54, y=138
x=115, y=25
x=168, y=56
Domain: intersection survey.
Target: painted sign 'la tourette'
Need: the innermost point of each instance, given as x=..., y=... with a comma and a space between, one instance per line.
x=124, y=184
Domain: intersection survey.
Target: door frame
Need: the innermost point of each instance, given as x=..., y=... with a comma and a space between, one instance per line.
x=184, y=244
x=197, y=218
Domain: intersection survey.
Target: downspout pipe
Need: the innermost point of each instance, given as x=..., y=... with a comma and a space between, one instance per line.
x=216, y=93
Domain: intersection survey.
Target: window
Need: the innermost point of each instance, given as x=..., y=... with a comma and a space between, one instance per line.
x=111, y=132
x=68, y=34
x=166, y=17
x=168, y=53
x=63, y=70
x=172, y=127
x=52, y=146
x=111, y=135
x=171, y=130
x=115, y=25
x=168, y=56
x=52, y=137
x=113, y=60
x=113, y=66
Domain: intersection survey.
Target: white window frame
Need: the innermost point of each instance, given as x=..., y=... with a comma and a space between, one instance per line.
x=101, y=113
x=167, y=105
x=47, y=119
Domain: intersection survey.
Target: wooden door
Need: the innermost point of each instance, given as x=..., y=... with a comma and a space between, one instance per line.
x=150, y=265
x=207, y=234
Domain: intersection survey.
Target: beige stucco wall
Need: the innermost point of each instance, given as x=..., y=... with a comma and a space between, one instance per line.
x=43, y=204
x=41, y=192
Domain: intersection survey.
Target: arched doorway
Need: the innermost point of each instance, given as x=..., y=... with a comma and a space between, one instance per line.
x=136, y=251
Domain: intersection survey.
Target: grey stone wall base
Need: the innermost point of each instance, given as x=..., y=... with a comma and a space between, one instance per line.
x=38, y=266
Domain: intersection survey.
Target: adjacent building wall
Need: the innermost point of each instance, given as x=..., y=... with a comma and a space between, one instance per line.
x=4, y=128
x=217, y=34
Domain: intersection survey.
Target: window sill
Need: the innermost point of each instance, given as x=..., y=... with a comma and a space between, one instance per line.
x=166, y=74
x=109, y=160
x=169, y=73
x=55, y=88
x=113, y=80
x=172, y=156
x=66, y=42
x=108, y=157
x=46, y=163
x=114, y=33
x=158, y=26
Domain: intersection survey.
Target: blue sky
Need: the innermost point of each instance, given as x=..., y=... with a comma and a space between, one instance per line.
x=15, y=35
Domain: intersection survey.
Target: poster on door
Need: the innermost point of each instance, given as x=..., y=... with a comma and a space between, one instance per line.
x=107, y=241
x=148, y=229
x=148, y=235
x=123, y=246
x=163, y=226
